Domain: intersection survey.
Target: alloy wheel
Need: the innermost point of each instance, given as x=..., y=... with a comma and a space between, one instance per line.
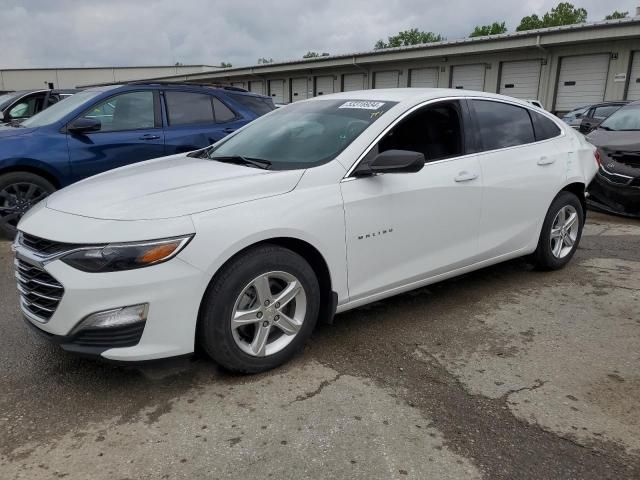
x=268, y=313
x=16, y=199
x=564, y=231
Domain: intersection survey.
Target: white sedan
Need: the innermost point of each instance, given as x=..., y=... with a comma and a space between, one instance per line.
x=316, y=208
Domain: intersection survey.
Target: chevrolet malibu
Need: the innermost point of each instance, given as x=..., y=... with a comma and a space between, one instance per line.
x=316, y=208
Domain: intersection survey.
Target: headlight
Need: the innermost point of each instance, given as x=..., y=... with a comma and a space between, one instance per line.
x=125, y=256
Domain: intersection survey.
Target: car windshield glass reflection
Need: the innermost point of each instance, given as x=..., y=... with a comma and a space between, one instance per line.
x=303, y=135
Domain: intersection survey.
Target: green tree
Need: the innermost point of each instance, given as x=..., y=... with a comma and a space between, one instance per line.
x=311, y=54
x=265, y=60
x=409, y=37
x=616, y=15
x=562, y=14
x=494, y=29
x=225, y=65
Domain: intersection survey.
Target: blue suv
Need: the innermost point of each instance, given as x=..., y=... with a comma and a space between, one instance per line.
x=108, y=127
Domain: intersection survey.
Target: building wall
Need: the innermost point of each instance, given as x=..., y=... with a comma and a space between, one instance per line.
x=620, y=51
x=73, y=77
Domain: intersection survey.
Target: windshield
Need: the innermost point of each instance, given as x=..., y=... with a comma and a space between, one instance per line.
x=61, y=109
x=627, y=118
x=303, y=135
x=6, y=99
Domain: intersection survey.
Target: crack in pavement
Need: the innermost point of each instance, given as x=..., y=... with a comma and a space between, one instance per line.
x=323, y=384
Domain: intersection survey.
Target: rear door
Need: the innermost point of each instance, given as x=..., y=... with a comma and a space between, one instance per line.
x=522, y=173
x=131, y=132
x=195, y=120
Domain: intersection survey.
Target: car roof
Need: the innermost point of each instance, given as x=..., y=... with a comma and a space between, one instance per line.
x=606, y=104
x=177, y=86
x=415, y=95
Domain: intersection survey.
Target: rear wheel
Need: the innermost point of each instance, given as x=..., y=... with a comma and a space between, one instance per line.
x=561, y=232
x=19, y=191
x=259, y=310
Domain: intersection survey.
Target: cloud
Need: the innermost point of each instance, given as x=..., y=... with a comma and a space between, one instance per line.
x=71, y=33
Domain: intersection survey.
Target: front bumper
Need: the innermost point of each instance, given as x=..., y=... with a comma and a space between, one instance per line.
x=173, y=291
x=614, y=197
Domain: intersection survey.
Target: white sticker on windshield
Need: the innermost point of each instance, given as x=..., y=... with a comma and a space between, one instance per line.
x=362, y=104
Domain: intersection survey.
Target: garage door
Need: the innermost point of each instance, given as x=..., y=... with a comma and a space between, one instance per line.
x=634, y=78
x=386, y=80
x=238, y=84
x=276, y=90
x=299, y=89
x=423, y=78
x=353, y=81
x=582, y=81
x=520, y=79
x=256, y=86
x=468, y=77
x=324, y=85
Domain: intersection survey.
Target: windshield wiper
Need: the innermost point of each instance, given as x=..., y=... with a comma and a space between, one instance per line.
x=239, y=159
x=608, y=129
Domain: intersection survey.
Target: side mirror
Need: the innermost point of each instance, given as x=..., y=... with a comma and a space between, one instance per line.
x=392, y=161
x=84, y=125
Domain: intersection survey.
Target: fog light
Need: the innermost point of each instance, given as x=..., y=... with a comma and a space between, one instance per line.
x=116, y=317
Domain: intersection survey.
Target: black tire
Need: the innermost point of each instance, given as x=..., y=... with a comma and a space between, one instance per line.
x=14, y=188
x=214, y=333
x=543, y=258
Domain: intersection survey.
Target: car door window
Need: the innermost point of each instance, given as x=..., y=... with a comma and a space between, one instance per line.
x=435, y=131
x=185, y=108
x=544, y=127
x=27, y=107
x=502, y=125
x=603, y=112
x=223, y=113
x=128, y=111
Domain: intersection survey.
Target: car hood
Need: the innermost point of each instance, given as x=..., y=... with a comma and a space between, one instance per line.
x=7, y=131
x=611, y=140
x=170, y=187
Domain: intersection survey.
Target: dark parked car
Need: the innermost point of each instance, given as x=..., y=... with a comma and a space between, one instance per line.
x=18, y=106
x=108, y=127
x=616, y=187
x=574, y=117
x=596, y=114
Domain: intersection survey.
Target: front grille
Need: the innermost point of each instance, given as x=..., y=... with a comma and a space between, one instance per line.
x=631, y=159
x=45, y=247
x=40, y=293
x=613, y=178
x=115, y=337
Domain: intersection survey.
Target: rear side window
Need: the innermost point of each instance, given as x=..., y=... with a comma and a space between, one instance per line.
x=257, y=105
x=544, y=127
x=223, y=113
x=184, y=108
x=502, y=125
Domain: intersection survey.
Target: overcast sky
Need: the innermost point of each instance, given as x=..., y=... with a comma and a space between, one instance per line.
x=71, y=33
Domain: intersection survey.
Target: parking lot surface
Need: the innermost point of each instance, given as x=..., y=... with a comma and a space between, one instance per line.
x=503, y=373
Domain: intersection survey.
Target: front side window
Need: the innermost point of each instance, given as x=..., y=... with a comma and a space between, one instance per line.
x=303, y=135
x=435, y=131
x=502, y=125
x=626, y=118
x=127, y=111
x=27, y=107
x=185, y=108
x=603, y=112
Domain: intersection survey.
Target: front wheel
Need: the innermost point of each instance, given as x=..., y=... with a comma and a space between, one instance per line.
x=19, y=191
x=259, y=310
x=561, y=232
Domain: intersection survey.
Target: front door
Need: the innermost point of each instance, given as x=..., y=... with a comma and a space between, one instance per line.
x=131, y=131
x=403, y=228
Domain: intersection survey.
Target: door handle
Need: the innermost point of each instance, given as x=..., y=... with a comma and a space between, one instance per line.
x=149, y=136
x=546, y=161
x=465, y=177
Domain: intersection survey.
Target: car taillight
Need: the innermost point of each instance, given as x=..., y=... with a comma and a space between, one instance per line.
x=598, y=159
